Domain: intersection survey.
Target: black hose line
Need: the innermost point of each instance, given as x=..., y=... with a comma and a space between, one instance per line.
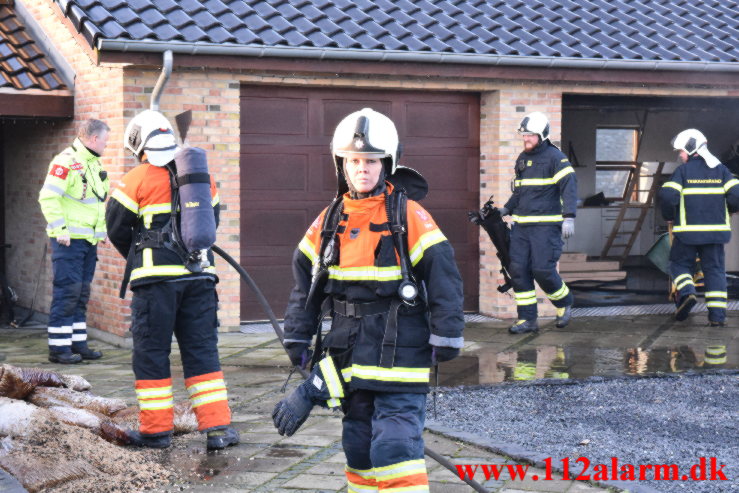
x=281, y=336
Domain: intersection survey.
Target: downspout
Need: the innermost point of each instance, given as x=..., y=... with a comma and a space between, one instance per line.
x=162, y=81
x=409, y=56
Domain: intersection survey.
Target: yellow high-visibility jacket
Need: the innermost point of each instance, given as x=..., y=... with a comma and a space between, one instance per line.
x=73, y=196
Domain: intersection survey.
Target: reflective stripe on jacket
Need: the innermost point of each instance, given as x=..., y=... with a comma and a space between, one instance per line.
x=368, y=270
x=142, y=201
x=68, y=197
x=544, y=188
x=699, y=199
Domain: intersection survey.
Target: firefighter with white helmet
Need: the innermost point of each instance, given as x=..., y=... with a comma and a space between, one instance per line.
x=697, y=200
x=382, y=267
x=543, y=206
x=145, y=219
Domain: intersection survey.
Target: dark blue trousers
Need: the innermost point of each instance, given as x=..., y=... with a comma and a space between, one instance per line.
x=73, y=269
x=535, y=250
x=185, y=308
x=682, y=268
x=382, y=429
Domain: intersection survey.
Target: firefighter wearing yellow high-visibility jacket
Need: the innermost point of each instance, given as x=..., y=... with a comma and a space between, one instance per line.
x=73, y=203
x=543, y=207
x=698, y=199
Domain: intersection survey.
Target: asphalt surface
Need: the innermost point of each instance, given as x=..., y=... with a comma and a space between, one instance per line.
x=673, y=419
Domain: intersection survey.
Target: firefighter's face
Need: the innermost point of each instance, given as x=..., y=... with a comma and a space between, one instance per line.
x=683, y=156
x=530, y=141
x=363, y=171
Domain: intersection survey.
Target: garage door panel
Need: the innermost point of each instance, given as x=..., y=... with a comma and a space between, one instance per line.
x=437, y=120
x=275, y=171
x=268, y=227
x=266, y=116
x=335, y=110
x=288, y=176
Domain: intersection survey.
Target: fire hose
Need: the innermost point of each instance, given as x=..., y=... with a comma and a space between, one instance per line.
x=281, y=336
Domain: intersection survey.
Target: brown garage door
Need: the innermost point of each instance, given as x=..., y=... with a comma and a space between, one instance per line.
x=287, y=176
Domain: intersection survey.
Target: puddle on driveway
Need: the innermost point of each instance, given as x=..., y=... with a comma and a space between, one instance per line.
x=483, y=367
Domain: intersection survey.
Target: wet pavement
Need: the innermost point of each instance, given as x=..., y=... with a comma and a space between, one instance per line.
x=255, y=367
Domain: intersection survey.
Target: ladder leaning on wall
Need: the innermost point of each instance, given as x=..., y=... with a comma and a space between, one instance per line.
x=626, y=229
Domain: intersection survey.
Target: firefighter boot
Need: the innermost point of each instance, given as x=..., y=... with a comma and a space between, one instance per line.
x=523, y=327
x=154, y=440
x=65, y=358
x=564, y=315
x=683, y=309
x=86, y=352
x=220, y=437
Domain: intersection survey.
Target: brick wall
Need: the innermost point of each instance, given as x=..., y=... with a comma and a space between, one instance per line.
x=115, y=94
x=30, y=145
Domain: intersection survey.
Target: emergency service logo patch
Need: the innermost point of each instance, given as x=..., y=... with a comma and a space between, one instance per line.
x=59, y=172
x=354, y=233
x=76, y=166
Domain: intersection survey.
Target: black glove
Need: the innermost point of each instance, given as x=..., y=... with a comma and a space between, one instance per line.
x=298, y=353
x=443, y=353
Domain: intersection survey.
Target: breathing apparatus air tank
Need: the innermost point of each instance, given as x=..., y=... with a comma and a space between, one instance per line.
x=197, y=220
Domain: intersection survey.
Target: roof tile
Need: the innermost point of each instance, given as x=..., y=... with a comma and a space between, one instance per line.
x=653, y=30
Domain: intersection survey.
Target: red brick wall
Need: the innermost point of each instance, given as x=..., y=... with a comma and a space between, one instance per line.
x=29, y=146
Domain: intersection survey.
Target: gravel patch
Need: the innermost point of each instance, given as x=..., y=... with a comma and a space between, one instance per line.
x=665, y=420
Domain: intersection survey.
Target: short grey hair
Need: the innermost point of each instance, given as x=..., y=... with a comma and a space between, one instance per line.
x=92, y=127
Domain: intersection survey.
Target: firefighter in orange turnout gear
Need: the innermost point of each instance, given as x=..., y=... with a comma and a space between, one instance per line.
x=375, y=362
x=167, y=297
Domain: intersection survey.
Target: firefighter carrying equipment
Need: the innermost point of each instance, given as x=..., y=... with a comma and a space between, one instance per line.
x=693, y=141
x=151, y=132
x=544, y=187
x=490, y=218
x=73, y=195
x=140, y=220
x=392, y=340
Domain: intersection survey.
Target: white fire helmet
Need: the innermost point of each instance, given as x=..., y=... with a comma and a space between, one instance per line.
x=693, y=141
x=535, y=123
x=150, y=132
x=365, y=132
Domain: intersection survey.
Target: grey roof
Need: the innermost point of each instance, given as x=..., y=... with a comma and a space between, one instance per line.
x=647, y=30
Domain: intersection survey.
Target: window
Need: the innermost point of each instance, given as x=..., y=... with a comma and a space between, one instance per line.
x=615, y=156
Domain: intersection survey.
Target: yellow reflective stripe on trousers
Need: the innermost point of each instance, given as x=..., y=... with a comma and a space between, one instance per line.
x=560, y=293
x=154, y=393
x=525, y=298
x=401, y=470
x=220, y=395
x=165, y=270
x=426, y=241
x=369, y=273
x=335, y=389
x=715, y=294
x=681, y=285
x=309, y=250
x=207, y=386
x=397, y=374
x=716, y=304
x=125, y=200
x=366, y=475
x=156, y=404
x=538, y=219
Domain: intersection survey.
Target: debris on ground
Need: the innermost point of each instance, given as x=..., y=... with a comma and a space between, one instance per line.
x=55, y=434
